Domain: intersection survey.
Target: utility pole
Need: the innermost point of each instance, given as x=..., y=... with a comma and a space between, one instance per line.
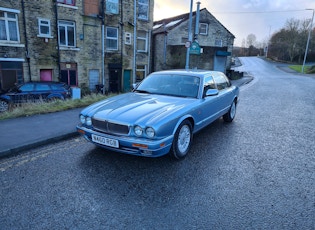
x=308, y=40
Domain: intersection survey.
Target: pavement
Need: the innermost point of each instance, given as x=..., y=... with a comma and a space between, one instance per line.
x=25, y=133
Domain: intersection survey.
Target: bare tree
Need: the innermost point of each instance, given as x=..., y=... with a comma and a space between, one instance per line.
x=251, y=40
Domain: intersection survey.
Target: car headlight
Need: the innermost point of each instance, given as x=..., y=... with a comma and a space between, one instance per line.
x=88, y=121
x=138, y=130
x=150, y=132
x=82, y=119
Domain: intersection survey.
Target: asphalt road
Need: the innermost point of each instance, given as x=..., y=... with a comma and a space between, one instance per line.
x=256, y=173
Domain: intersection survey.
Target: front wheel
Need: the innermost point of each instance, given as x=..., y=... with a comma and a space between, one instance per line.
x=4, y=106
x=182, y=140
x=229, y=116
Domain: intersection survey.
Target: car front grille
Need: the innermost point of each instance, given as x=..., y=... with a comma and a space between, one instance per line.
x=108, y=127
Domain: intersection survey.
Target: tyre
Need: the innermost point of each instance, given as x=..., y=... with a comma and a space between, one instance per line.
x=182, y=140
x=229, y=116
x=4, y=106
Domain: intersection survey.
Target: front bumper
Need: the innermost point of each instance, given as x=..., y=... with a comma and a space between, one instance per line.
x=131, y=145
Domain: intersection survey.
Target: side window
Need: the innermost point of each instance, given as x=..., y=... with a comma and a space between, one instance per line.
x=27, y=88
x=42, y=87
x=209, y=83
x=221, y=81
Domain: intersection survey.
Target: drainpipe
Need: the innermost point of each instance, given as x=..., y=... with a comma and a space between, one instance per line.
x=134, y=41
x=26, y=43
x=57, y=38
x=197, y=21
x=149, y=52
x=103, y=47
x=122, y=45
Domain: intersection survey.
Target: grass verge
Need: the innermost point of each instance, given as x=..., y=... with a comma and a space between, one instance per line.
x=307, y=69
x=29, y=109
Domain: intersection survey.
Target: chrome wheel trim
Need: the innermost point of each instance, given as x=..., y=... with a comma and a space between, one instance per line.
x=3, y=106
x=184, y=137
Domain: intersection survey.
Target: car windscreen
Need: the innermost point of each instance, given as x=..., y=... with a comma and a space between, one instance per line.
x=170, y=84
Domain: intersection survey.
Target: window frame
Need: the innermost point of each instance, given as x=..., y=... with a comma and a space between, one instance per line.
x=40, y=34
x=221, y=81
x=218, y=43
x=64, y=23
x=206, y=28
x=112, y=7
x=65, y=2
x=142, y=69
x=143, y=5
x=6, y=20
x=142, y=39
x=108, y=38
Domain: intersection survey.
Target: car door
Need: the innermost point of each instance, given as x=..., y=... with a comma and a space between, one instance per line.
x=209, y=106
x=22, y=94
x=225, y=95
x=42, y=90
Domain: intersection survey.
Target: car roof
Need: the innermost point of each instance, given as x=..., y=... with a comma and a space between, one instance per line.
x=194, y=72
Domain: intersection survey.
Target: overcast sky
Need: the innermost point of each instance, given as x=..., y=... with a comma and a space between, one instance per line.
x=243, y=17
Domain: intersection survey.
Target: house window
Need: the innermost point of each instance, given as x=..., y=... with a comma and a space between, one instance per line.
x=44, y=27
x=143, y=9
x=9, y=29
x=142, y=42
x=128, y=38
x=111, y=38
x=140, y=72
x=112, y=7
x=203, y=28
x=66, y=32
x=67, y=2
x=218, y=42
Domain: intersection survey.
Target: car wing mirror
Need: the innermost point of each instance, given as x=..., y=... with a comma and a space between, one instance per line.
x=212, y=92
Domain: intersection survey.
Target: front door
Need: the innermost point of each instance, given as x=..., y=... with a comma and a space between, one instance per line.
x=46, y=75
x=127, y=80
x=114, y=80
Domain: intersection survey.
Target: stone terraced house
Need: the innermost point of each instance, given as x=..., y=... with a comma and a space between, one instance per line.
x=84, y=43
x=211, y=45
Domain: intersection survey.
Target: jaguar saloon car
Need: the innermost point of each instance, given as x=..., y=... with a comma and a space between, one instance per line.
x=34, y=91
x=161, y=114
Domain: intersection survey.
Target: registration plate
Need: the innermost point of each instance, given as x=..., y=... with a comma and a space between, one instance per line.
x=105, y=141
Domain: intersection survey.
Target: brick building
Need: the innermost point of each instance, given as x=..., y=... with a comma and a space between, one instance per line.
x=80, y=42
x=213, y=41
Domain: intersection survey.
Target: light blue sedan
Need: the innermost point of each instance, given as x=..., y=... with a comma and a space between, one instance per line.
x=162, y=113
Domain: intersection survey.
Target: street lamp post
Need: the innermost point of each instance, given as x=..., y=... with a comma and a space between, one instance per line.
x=189, y=35
x=308, y=40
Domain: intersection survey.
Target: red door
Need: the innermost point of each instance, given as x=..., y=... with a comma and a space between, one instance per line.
x=46, y=75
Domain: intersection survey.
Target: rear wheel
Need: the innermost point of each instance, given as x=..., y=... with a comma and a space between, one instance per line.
x=4, y=106
x=182, y=140
x=229, y=116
